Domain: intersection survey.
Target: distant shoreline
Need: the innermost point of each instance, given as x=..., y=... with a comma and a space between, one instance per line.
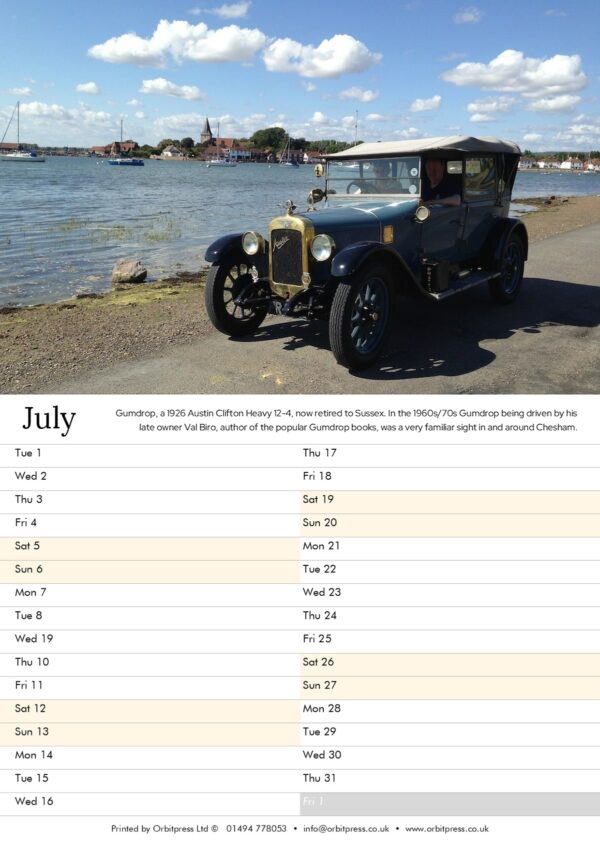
x=42, y=344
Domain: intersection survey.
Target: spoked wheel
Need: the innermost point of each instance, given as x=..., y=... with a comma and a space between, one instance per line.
x=360, y=317
x=505, y=288
x=224, y=284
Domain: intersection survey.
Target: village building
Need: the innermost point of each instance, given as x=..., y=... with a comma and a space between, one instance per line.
x=171, y=151
x=571, y=164
x=114, y=149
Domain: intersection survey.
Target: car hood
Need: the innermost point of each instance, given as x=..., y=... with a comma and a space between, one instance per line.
x=368, y=217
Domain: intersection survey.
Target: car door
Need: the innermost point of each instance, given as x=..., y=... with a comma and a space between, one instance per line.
x=442, y=233
x=481, y=199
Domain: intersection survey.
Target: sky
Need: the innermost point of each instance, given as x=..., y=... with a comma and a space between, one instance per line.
x=528, y=71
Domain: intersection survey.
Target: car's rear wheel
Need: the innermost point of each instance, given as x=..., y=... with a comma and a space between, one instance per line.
x=224, y=284
x=360, y=317
x=505, y=288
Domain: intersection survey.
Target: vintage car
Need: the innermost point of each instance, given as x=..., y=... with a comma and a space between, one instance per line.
x=428, y=217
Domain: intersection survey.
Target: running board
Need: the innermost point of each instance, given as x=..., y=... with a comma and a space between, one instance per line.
x=475, y=278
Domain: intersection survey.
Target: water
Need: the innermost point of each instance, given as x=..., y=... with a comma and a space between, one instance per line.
x=63, y=224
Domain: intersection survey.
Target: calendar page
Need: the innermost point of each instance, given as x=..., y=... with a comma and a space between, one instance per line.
x=355, y=621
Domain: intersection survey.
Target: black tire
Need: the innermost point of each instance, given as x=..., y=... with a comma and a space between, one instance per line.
x=505, y=288
x=223, y=284
x=360, y=317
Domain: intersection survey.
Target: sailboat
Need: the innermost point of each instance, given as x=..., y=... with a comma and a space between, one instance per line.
x=286, y=158
x=124, y=160
x=218, y=162
x=19, y=155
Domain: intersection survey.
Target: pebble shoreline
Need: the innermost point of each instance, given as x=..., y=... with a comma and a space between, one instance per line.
x=41, y=344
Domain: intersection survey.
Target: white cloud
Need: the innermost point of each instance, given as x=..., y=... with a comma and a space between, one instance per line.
x=309, y=86
x=485, y=110
x=227, y=10
x=52, y=123
x=452, y=57
x=232, y=10
x=87, y=88
x=378, y=117
x=62, y=113
x=561, y=103
x=182, y=40
x=192, y=123
x=162, y=86
x=532, y=137
x=23, y=91
x=362, y=95
x=176, y=124
x=420, y=105
x=584, y=132
x=341, y=54
x=140, y=114
x=512, y=71
x=470, y=15
x=134, y=102
x=556, y=13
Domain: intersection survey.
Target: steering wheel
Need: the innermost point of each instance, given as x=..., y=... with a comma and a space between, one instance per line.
x=359, y=187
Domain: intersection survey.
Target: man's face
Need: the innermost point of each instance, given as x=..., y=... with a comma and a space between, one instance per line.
x=434, y=168
x=380, y=169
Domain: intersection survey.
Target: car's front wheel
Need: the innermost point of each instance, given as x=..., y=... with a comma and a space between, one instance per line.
x=505, y=288
x=360, y=317
x=224, y=285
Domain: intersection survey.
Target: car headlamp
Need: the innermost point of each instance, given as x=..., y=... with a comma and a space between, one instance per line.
x=322, y=247
x=252, y=243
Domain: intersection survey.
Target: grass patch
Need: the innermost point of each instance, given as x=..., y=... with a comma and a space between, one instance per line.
x=168, y=233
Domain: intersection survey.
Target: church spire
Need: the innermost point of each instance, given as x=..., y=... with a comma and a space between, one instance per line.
x=206, y=134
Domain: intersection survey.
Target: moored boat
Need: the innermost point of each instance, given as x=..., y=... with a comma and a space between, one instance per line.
x=19, y=154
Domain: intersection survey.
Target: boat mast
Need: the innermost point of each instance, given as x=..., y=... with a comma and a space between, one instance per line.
x=18, y=126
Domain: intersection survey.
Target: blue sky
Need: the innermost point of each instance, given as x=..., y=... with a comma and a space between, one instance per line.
x=527, y=71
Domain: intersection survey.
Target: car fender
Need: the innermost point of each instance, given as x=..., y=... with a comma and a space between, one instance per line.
x=231, y=243
x=350, y=260
x=499, y=236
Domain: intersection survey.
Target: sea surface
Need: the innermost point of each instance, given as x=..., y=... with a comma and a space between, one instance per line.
x=65, y=222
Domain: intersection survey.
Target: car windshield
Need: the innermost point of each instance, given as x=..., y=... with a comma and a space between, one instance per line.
x=400, y=175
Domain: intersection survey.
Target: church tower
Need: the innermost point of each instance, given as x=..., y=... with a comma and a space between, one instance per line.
x=206, y=134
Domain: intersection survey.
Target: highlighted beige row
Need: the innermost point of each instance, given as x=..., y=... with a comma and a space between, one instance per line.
x=150, y=548
x=150, y=734
x=148, y=572
x=488, y=665
x=43, y=711
x=461, y=525
x=450, y=688
x=448, y=501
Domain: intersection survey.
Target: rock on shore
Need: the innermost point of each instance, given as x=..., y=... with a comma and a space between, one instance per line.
x=128, y=271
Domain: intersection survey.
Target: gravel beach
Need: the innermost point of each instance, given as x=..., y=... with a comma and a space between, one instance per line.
x=41, y=344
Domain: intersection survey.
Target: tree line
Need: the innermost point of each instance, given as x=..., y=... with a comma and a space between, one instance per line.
x=270, y=140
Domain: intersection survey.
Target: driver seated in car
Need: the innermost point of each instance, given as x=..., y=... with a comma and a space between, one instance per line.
x=439, y=187
x=381, y=182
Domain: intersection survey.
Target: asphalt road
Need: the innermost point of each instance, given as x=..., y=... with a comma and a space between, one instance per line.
x=546, y=342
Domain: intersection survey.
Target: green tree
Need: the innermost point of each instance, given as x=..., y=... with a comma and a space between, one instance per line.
x=187, y=143
x=165, y=143
x=272, y=137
